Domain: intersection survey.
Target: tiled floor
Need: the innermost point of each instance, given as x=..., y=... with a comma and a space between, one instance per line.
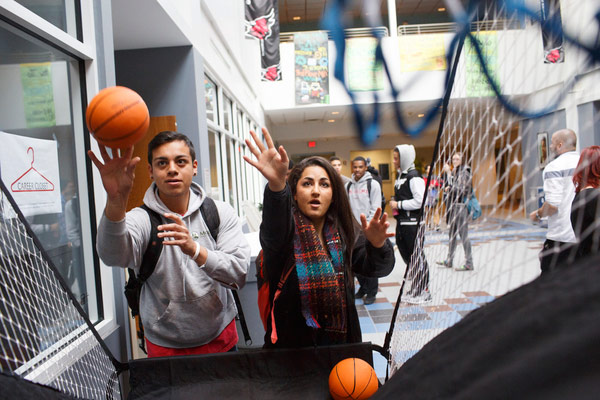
x=505, y=254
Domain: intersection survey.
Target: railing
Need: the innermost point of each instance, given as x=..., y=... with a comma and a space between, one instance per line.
x=447, y=27
x=350, y=33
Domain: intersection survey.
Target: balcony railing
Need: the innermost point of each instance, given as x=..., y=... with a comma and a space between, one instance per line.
x=350, y=33
x=448, y=27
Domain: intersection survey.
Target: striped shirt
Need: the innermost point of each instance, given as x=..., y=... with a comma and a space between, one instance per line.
x=559, y=191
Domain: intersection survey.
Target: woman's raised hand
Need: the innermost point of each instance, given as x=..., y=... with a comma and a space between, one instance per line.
x=376, y=230
x=272, y=163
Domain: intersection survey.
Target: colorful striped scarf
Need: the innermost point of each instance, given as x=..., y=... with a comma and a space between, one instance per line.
x=320, y=277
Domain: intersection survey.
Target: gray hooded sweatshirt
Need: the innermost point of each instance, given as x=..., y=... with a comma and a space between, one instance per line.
x=182, y=304
x=360, y=199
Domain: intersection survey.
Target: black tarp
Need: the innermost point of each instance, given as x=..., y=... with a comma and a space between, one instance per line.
x=253, y=374
x=16, y=388
x=541, y=341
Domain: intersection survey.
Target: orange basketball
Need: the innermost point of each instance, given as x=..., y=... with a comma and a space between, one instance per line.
x=117, y=117
x=353, y=379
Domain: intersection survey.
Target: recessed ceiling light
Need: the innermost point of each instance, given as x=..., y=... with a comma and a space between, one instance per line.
x=420, y=115
x=441, y=9
x=296, y=18
x=331, y=120
x=335, y=112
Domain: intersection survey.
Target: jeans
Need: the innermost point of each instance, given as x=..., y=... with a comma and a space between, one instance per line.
x=459, y=225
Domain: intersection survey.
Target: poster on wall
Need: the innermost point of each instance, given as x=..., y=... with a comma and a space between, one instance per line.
x=29, y=169
x=38, y=95
x=262, y=24
x=552, y=34
x=422, y=52
x=476, y=82
x=312, y=68
x=363, y=73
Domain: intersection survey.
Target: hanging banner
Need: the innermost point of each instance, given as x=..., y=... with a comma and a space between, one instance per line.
x=476, y=83
x=262, y=24
x=363, y=72
x=422, y=52
x=38, y=95
x=312, y=68
x=552, y=34
x=29, y=169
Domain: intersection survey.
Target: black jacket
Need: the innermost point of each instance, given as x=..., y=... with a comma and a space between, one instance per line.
x=277, y=241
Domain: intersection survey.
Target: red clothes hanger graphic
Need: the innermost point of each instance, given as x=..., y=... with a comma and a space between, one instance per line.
x=31, y=186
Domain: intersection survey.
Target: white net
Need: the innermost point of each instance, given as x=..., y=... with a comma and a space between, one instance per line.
x=43, y=336
x=486, y=150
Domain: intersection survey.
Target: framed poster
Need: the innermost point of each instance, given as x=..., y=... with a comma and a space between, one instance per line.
x=543, y=148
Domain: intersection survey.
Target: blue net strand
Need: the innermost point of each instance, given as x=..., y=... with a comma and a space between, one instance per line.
x=369, y=130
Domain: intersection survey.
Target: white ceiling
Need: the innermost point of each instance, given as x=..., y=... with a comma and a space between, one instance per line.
x=141, y=24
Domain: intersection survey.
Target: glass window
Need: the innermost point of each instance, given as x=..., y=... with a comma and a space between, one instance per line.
x=64, y=14
x=231, y=174
x=215, y=162
x=227, y=115
x=42, y=160
x=210, y=96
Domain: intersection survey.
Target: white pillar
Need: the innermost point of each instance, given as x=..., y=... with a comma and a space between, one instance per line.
x=392, y=20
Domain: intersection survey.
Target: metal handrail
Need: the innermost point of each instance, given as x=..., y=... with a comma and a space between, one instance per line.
x=350, y=33
x=449, y=27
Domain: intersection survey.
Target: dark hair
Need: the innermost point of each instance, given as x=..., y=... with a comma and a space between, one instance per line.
x=359, y=158
x=334, y=158
x=168, y=137
x=339, y=212
x=290, y=165
x=587, y=172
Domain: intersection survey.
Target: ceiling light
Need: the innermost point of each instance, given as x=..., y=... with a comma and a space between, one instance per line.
x=335, y=112
x=420, y=115
x=441, y=9
x=331, y=120
x=296, y=18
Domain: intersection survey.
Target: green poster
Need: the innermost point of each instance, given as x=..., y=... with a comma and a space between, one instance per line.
x=477, y=84
x=363, y=73
x=38, y=97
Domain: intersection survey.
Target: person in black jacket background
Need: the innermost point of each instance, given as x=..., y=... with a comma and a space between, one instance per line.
x=409, y=191
x=308, y=226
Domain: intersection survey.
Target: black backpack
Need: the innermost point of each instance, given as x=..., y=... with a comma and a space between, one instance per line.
x=133, y=287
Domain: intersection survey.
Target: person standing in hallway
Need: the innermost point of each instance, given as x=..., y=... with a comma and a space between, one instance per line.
x=458, y=188
x=336, y=163
x=559, y=192
x=409, y=190
x=364, y=194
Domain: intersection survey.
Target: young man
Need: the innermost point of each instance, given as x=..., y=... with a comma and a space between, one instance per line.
x=364, y=201
x=186, y=305
x=336, y=163
x=409, y=191
x=559, y=192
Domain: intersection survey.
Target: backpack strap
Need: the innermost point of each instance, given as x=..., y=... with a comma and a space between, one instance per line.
x=155, y=245
x=277, y=293
x=348, y=186
x=210, y=214
x=369, y=186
